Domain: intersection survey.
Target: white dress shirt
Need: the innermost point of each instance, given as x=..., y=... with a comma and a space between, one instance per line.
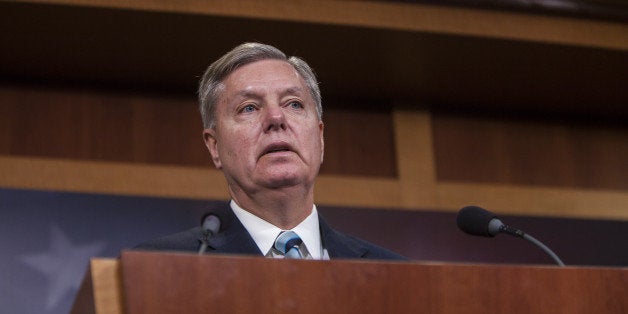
x=265, y=233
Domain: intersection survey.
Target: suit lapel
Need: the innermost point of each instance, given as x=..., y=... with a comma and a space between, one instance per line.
x=233, y=237
x=339, y=245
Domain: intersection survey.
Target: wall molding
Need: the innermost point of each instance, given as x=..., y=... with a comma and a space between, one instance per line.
x=395, y=16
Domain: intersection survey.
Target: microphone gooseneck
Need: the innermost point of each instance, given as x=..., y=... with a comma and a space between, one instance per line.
x=210, y=225
x=478, y=221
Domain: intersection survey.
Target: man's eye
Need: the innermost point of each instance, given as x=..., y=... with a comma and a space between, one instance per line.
x=295, y=105
x=247, y=108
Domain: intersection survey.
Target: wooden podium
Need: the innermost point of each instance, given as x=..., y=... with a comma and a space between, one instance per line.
x=151, y=282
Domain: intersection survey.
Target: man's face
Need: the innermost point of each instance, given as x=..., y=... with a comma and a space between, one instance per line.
x=267, y=132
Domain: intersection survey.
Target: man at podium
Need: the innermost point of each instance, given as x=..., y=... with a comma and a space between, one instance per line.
x=263, y=127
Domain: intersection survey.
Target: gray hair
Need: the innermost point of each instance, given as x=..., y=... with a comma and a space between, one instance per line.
x=211, y=86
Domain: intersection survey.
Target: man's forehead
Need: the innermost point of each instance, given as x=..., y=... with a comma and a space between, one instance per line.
x=264, y=69
x=264, y=76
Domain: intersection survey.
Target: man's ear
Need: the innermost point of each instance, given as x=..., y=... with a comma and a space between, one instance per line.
x=209, y=136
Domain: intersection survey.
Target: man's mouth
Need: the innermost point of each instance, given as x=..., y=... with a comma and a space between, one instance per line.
x=276, y=148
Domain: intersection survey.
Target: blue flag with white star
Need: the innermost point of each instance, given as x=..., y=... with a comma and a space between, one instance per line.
x=47, y=239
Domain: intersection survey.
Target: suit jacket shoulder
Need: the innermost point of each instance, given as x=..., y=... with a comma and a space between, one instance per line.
x=187, y=240
x=232, y=238
x=341, y=245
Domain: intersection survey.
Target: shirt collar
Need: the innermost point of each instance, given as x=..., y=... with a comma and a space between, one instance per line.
x=264, y=233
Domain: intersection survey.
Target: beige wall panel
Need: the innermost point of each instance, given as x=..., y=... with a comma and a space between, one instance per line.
x=526, y=151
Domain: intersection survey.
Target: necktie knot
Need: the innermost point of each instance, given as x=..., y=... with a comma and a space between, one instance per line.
x=288, y=243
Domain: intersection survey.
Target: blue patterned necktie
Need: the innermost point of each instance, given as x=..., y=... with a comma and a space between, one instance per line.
x=288, y=243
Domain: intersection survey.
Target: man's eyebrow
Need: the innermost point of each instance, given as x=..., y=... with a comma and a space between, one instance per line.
x=296, y=90
x=247, y=94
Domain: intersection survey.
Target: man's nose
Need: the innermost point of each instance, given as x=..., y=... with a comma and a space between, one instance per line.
x=275, y=118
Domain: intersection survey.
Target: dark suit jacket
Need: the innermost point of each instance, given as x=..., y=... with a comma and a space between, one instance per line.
x=233, y=238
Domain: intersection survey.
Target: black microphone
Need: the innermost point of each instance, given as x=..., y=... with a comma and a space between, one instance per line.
x=478, y=221
x=210, y=224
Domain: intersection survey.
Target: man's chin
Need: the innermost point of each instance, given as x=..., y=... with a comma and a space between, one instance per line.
x=278, y=183
x=282, y=180
x=283, y=175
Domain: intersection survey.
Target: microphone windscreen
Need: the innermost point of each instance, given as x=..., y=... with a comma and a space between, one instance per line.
x=211, y=223
x=475, y=220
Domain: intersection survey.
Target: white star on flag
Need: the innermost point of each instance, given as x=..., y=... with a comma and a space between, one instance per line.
x=64, y=264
